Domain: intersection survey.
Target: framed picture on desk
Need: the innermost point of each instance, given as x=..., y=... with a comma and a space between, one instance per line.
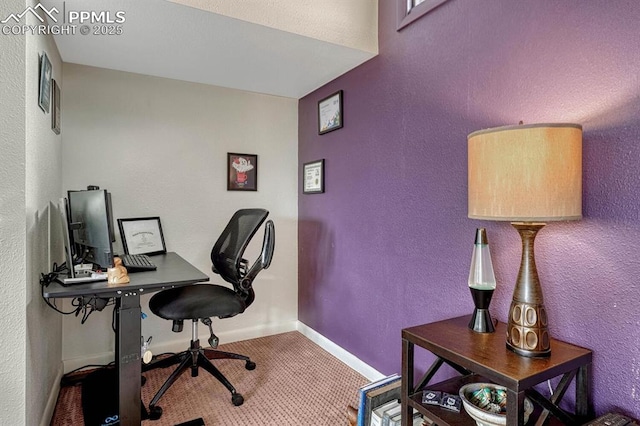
x=142, y=235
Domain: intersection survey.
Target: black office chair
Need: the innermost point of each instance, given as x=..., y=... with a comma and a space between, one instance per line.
x=203, y=301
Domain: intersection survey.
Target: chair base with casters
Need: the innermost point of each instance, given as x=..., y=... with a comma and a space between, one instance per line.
x=194, y=358
x=201, y=302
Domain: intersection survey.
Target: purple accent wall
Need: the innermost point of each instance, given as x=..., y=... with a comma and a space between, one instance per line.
x=388, y=244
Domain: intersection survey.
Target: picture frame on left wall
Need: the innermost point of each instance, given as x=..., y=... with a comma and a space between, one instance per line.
x=55, y=107
x=44, y=92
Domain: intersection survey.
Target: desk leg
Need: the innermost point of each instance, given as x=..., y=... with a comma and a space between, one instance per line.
x=128, y=332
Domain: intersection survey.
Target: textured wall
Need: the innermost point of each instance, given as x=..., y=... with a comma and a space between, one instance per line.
x=43, y=185
x=30, y=176
x=12, y=223
x=389, y=243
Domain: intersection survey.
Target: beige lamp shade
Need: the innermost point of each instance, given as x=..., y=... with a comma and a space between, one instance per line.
x=526, y=173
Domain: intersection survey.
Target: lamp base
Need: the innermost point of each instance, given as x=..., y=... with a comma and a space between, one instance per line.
x=481, y=321
x=527, y=329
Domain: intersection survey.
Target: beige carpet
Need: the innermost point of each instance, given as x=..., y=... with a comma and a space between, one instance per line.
x=295, y=383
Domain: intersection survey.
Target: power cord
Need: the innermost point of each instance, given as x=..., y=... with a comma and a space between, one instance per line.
x=89, y=305
x=46, y=279
x=86, y=305
x=70, y=378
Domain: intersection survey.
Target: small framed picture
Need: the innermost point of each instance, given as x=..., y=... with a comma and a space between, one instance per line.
x=142, y=235
x=45, y=82
x=55, y=107
x=242, y=172
x=330, y=113
x=313, y=177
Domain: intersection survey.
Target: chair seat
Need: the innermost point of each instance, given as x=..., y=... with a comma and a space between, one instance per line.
x=196, y=302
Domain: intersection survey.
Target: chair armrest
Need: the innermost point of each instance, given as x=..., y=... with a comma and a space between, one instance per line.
x=266, y=255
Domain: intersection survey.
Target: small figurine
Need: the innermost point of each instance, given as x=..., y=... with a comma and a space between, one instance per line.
x=118, y=274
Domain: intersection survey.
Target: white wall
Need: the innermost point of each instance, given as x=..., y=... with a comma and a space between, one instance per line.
x=160, y=146
x=30, y=177
x=352, y=23
x=12, y=223
x=43, y=185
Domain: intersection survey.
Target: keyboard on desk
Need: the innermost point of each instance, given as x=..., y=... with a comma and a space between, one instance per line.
x=137, y=262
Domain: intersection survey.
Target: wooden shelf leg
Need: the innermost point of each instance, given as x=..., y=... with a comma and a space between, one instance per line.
x=407, y=382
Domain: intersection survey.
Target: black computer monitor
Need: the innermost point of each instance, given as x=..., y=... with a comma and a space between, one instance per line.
x=92, y=226
x=67, y=237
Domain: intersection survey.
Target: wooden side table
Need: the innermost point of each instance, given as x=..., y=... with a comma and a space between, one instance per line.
x=483, y=357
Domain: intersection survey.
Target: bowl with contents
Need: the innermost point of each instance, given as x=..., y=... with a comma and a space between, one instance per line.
x=486, y=403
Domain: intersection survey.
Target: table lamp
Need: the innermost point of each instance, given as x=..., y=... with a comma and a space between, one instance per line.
x=527, y=175
x=482, y=283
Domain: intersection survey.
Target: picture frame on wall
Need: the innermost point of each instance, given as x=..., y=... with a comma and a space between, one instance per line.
x=411, y=10
x=242, y=172
x=44, y=92
x=142, y=235
x=330, y=113
x=55, y=107
x=313, y=177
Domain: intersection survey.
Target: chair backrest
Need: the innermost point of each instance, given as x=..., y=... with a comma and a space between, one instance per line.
x=226, y=255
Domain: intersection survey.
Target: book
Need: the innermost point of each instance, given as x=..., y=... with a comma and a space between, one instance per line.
x=378, y=412
x=397, y=420
x=362, y=406
x=379, y=396
x=389, y=414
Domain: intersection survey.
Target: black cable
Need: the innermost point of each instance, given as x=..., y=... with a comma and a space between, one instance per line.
x=45, y=280
x=81, y=304
x=92, y=304
x=68, y=380
x=89, y=366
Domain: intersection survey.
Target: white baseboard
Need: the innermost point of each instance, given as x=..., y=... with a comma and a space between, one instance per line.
x=349, y=359
x=227, y=336
x=180, y=344
x=53, y=398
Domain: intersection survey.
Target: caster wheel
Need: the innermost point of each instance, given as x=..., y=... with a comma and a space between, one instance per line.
x=250, y=365
x=237, y=399
x=155, y=412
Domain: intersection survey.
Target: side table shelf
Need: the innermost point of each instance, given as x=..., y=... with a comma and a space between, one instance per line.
x=442, y=416
x=483, y=357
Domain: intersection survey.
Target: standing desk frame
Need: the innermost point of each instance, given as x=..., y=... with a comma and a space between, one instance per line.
x=172, y=271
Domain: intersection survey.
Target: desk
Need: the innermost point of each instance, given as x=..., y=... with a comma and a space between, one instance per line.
x=172, y=271
x=484, y=357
